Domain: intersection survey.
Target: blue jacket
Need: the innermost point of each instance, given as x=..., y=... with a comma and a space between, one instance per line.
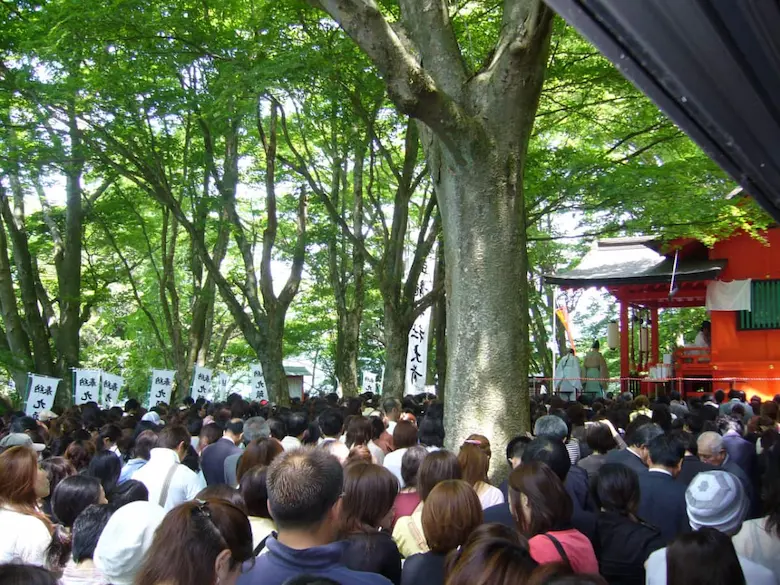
x=278, y=563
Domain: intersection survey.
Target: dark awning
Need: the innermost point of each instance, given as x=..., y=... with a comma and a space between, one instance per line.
x=627, y=261
x=712, y=65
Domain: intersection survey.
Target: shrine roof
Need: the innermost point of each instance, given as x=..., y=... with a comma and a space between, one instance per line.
x=631, y=261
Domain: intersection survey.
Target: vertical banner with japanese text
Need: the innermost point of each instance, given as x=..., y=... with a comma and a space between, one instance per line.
x=417, y=352
x=223, y=382
x=369, y=382
x=161, y=387
x=201, y=383
x=40, y=394
x=86, y=386
x=112, y=386
x=259, y=390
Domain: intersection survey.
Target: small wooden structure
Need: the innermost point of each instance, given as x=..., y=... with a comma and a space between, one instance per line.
x=295, y=376
x=646, y=277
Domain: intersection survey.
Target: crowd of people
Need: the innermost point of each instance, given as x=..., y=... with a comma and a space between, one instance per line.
x=618, y=490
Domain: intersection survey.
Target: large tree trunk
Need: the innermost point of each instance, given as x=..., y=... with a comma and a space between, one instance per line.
x=347, y=353
x=396, y=342
x=485, y=253
x=273, y=361
x=440, y=326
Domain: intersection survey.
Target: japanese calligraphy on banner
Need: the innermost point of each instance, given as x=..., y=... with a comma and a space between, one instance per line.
x=417, y=352
x=259, y=390
x=369, y=382
x=41, y=393
x=201, y=383
x=112, y=386
x=223, y=381
x=86, y=386
x=162, y=385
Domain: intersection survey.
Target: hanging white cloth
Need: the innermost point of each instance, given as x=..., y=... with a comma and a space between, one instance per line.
x=729, y=296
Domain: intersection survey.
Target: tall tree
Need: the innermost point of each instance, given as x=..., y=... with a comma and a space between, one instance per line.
x=476, y=124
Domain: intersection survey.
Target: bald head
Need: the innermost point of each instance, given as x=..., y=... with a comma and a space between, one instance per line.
x=303, y=486
x=711, y=449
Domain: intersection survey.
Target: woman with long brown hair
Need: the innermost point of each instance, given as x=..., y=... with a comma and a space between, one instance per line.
x=451, y=513
x=366, y=515
x=259, y=452
x=542, y=510
x=26, y=530
x=474, y=463
x=198, y=542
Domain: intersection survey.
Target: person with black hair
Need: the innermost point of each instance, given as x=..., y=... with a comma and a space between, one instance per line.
x=213, y=456
x=108, y=438
x=106, y=469
x=127, y=492
x=514, y=456
x=552, y=453
x=639, y=434
x=87, y=529
x=305, y=488
x=331, y=423
x=624, y=539
x=691, y=465
x=601, y=442
x=73, y=495
x=297, y=423
x=704, y=557
x=430, y=433
x=141, y=451
x=662, y=499
x=16, y=574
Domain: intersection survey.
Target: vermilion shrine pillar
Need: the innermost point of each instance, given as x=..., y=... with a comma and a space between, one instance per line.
x=624, y=357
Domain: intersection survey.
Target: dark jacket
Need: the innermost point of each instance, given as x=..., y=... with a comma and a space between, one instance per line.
x=691, y=467
x=212, y=460
x=231, y=468
x=742, y=452
x=424, y=569
x=627, y=458
x=623, y=548
x=578, y=487
x=280, y=563
x=374, y=553
x=583, y=521
x=662, y=504
x=750, y=489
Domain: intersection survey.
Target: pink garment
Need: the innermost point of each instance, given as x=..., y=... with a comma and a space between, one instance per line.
x=405, y=504
x=576, y=545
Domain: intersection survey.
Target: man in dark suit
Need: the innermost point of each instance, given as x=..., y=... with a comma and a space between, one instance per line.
x=741, y=451
x=552, y=453
x=255, y=428
x=213, y=459
x=638, y=438
x=661, y=498
x=691, y=465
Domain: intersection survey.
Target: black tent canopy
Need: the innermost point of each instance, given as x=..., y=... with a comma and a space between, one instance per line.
x=712, y=65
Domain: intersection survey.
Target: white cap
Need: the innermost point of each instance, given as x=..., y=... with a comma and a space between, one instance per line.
x=127, y=537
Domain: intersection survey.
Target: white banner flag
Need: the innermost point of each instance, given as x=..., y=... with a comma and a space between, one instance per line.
x=42, y=390
x=259, y=390
x=86, y=386
x=201, y=383
x=223, y=382
x=112, y=387
x=417, y=352
x=369, y=382
x=162, y=385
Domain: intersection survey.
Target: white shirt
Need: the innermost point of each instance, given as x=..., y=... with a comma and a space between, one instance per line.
x=393, y=464
x=488, y=495
x=376, y=453
x=23, y=538
x=185, y=483
x=755, y=574
x=289, y=443
x=659, y=470
x=391, y=426
x=756, y=543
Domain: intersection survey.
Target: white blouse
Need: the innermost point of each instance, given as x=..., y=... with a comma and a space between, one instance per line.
x=23, y=538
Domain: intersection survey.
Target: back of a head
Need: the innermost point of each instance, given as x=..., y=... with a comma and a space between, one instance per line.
x=451, y=513
x=552, y=427
x=297, y=423
x=599, y=438
x=516, y=447
x=437, y=466
x=616, y=489
x=703, y=557
x=410, y=464
x=255, y=428
x=359, y=431
x=254, y=490
x=551, y=452
x=641, y=436
x=331, y=422
x=144, y=443
x=404, y=434
x=189, y=539
x=666, y=451
x=303, y=486
x=391, y=404
x=369, y=495
x=550, y=505
x=490, y=561
x=172, y=436
x=106, y=467
x=431, y=432
x=473, y=464
x=87, y=530
x=259, y=452
x=235, y=426
x=126, y=492
x=716, y=499
x=18, y=574
x=73, y=495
